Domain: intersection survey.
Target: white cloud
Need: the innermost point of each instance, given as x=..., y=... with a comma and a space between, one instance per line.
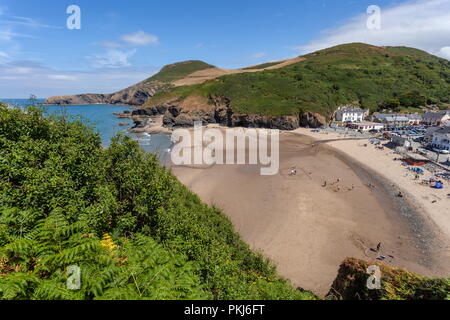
x=112, y=59
x=20, y=70
x=63, y=77
x=140, y=38
x=423, y=24
x=6, y=35
x=109, y=44
x=4, y=57
x=22, y=78
x=258, y=55
x=26, y=22
x=445, y=52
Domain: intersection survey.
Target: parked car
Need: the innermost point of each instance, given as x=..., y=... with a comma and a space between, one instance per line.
x=441, y=151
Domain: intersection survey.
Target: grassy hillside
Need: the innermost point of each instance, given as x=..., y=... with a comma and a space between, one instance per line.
x=395, y=284
x=178, y=71
x=263, y=65
x=132, y=228
x=353, y=73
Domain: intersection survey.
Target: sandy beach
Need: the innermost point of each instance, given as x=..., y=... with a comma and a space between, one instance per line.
x=434, y=202
x=308, y=228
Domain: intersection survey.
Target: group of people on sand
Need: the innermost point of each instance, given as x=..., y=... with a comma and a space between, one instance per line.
x=336, y=183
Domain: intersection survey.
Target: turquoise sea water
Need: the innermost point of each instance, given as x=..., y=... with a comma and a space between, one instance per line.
x=106, y=124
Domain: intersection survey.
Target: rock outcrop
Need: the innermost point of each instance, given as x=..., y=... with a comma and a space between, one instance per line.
x=135, y=95
x=221, y=113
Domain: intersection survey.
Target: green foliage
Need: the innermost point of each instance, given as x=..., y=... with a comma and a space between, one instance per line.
x=392, y=104
x=61, y=192
x=396, y=284
x=263, y=65
x=352, y=73
x=413, y=99
x=408, y=100
x=179, y=70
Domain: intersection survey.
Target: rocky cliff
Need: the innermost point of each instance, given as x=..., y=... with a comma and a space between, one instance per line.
x=135, y=95
x=220, y=112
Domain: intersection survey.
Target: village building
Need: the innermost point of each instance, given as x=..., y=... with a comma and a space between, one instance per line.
x=394, y=119
x=350, y=114
x=435, y=118
x=441, y=139
x=415, y=119
x=401, y=141
x=366, y=126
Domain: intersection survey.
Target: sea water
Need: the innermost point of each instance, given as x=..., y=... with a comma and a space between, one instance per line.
x=106, y=123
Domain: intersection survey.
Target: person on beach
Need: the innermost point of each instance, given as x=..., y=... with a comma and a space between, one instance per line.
x=293, y=171
x=379, y=247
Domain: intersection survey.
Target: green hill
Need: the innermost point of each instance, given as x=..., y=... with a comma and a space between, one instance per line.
x=263, y=66
x=353, y=73
x=139, y=93
x=178, y=71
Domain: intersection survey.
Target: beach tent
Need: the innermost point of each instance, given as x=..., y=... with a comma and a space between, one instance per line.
x=418, y=170
x=438, y=185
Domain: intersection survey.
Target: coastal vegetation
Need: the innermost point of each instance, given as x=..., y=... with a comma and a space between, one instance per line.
x=134, y=231
x=178, y=71
x=396, y=284
x=357, y=73
x=263, y=66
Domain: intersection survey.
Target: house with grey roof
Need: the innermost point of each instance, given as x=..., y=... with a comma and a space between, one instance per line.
x=392, y=119
x=414, y=118
x=435, y=118
x=395, y=119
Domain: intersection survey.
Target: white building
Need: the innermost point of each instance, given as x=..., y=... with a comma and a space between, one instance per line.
x=366, y=126
x=441, y=139
x=435, y=118
x=350, y=114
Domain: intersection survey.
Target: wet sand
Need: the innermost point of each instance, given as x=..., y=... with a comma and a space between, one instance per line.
x=308, y=228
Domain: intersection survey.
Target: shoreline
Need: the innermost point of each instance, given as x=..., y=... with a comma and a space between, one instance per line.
x=406, y=210
x=383, y=164
x=307, y=229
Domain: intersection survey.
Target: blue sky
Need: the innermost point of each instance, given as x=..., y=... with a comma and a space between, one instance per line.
x=123, y=42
